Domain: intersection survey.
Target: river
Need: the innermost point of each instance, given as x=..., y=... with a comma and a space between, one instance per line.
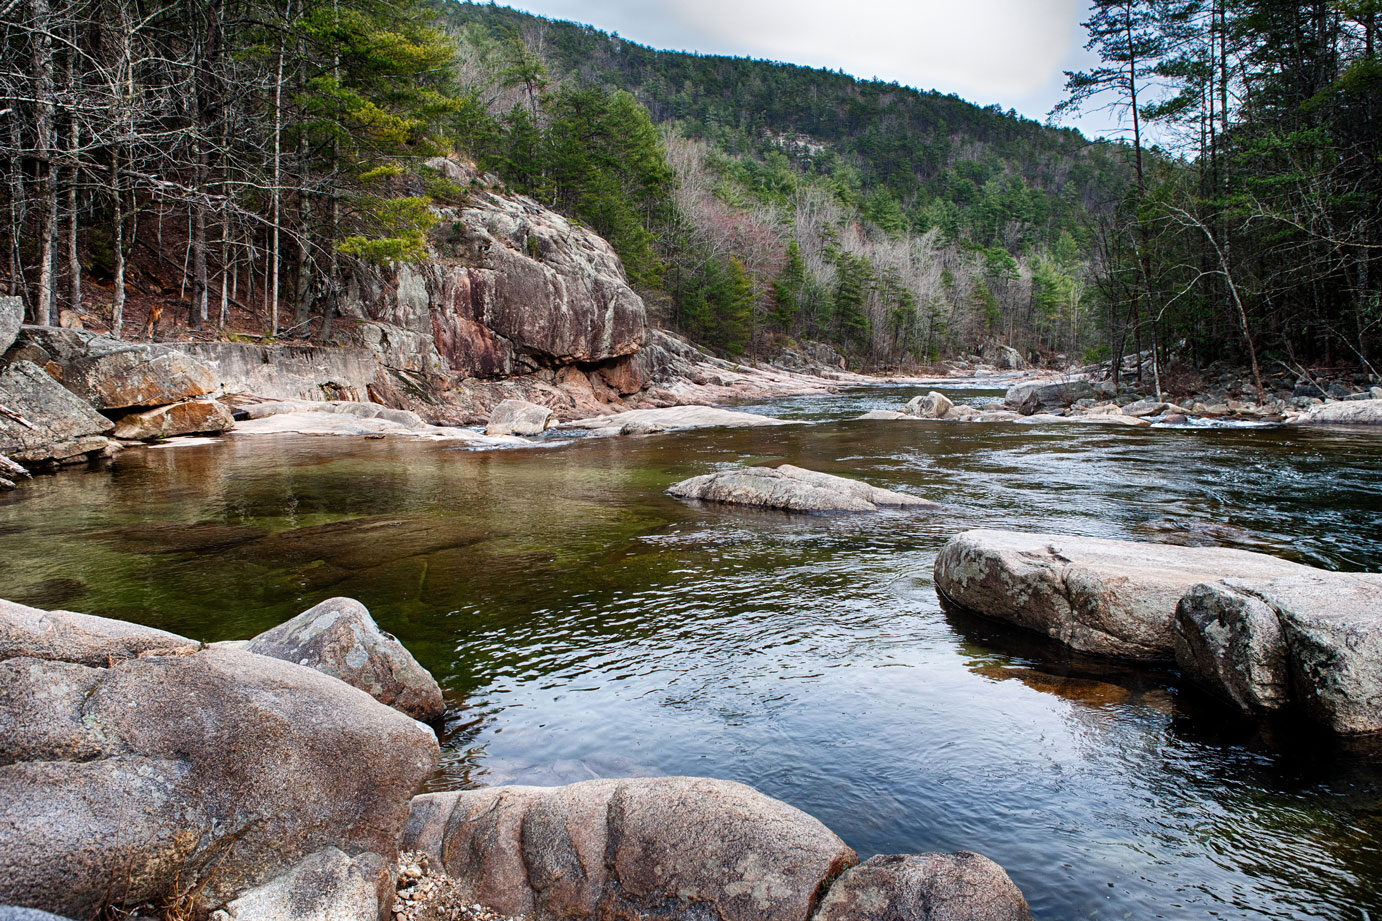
x=584, y=624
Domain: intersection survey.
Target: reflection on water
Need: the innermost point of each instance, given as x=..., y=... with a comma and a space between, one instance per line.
x=584, y=625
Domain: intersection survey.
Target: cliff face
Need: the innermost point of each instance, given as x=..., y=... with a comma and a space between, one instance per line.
x=512, y=288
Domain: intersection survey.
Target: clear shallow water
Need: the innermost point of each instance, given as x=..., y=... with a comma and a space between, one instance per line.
x=585, y=624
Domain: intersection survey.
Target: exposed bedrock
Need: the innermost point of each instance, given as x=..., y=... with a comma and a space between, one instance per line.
x=140, y=767
x=651, y=849
x=42, y=421
x=1105, y=597
x=793, y=489
x=112, y=374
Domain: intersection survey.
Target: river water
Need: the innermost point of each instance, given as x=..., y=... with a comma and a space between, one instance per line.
x=584, y=624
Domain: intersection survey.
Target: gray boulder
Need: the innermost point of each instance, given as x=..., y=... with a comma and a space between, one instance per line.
x=190, y=417
x=669, y=418
x=1004, y=357
x=11, y=318
x=793, y=489
x=339, y=638
x=10, y=913
x=925, y=887
x=1031, y=397
x=110, y=373
x=1350, y=412
x=1106, y=597
x=1144, y=408
x=54, y=424
x=139, y=779
x=519, y=417
x=1311, y=642
x=327, y=886
x=932, y=406
x=630, y=850
x=1230, y=643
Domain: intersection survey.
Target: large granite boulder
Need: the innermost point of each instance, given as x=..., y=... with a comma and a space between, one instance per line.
x=11, y=318
x=53, y=424
x=1309, y=641
x=628, y=850
x=190, y=417
x=1348, y=412
x=110, y=373
x=1043, y=396
x=139, y=766
x=1003, y=357
x=1106, y=597
x=925, y=887
x=512, y=286
x=519, y=417
x=339, y=638
x=793, y=489
x=932, y=406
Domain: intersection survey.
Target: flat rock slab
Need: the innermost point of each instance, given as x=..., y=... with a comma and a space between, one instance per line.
x=629, y=850
x=793, y=489
x=335, y=419
x=57, y=424
x=1311, y=642
x=339, y=638
x=1103, y=597
x=111, y=373
x=652, y=421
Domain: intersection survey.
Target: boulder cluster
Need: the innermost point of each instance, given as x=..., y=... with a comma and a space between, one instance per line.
x=146, y=774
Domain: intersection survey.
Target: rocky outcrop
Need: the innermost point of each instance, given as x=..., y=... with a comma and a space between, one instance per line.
x=793, y=489
x=11, y=318
x=190, y=417
x=651, y=849
x=925, y=887
x=141, y=767
x=1348, y=412
x=45, y=421
x=519, y=417
x=1310, y=642
x=1105, y=597
x=339, y=638
x=1002, y=357
x=1038, y=396
x=290, y=372
x=110, y=373
x=511, y=287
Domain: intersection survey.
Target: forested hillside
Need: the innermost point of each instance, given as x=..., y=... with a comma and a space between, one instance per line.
x=896, y=224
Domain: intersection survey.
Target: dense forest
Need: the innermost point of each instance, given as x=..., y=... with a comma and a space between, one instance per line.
x=233, y=162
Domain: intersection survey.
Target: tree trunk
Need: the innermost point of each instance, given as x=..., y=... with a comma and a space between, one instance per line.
x=45, y=303
x=275, y=196
x=117, y=313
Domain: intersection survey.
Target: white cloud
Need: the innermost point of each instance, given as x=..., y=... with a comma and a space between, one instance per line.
x=990, y=49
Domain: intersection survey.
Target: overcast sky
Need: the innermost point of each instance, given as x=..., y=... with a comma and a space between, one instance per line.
x=1010, y=52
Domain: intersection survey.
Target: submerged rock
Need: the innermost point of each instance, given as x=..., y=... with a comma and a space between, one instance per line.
x=519, y=417
x=793, y=489
x=191, y=417
x=53, y=424
x=651, y=421
x=924, y=887
x=1308, y=641
x=1106, y=597
x=142, y=764
x=339, y=638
